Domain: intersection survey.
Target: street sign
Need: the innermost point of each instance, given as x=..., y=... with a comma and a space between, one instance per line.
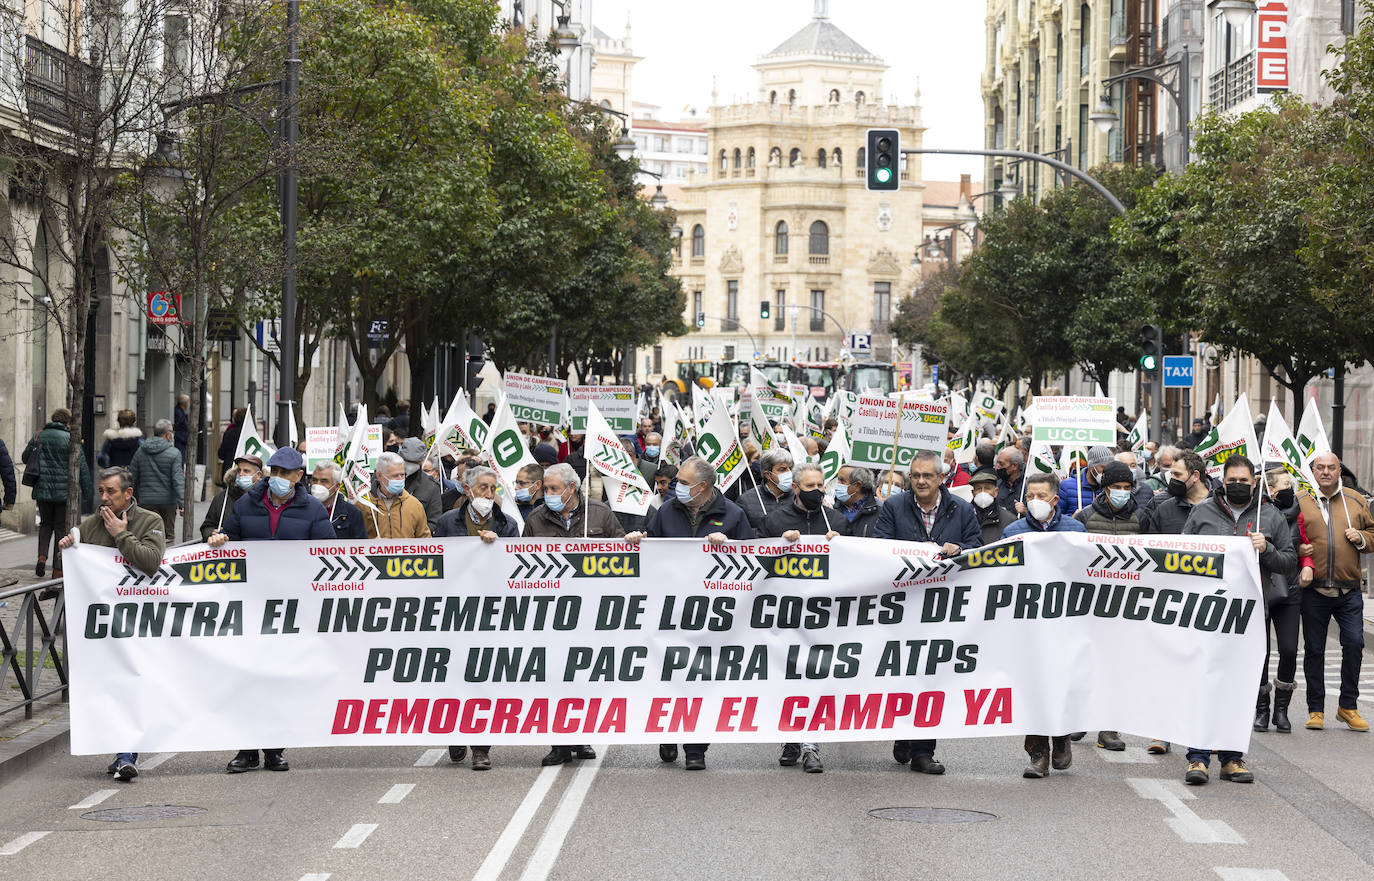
x=267, y=333
x=860, y=343
x=220, y=326
x=164, y=307
x=1180, y=371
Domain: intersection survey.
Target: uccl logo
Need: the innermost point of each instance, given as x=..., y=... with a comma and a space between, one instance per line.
x=212, y=571
x=1206, y=565
x=391, y=567
x=987, y=558
x=800, y=566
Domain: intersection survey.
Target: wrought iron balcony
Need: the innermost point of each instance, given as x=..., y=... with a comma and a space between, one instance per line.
x=58, y=86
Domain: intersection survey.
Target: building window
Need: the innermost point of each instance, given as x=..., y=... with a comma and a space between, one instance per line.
x=749, y=158
x=861, y=158
x=729, y=353
x=820, y=158
x=696, y=307
x=698, y=241
x=658, y=360
x=739, y=161
x=732, y=305
x=724, y=162
x=780, y=311
x=817, y=317
x=1082, y=135
x=773, y=97
x=882, y=305
x=780, y=238
x=834, y=96
x=791, y=97
x=660, y=144
x=820, y=238
x=775, y=157
x=837, y=156
x=794, y=158
x=860, y=99
x=1085, y=51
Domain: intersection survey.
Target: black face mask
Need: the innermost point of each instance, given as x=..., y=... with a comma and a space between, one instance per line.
x=1002, y=474
x=1239, y=493
x=1178, y=488
x=1284, y=498
x=811, y=499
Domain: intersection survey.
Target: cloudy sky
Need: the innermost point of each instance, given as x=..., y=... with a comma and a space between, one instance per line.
x=939, y=44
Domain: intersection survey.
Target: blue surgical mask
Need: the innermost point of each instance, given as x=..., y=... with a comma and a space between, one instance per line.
x=684, y=492
x=553, y=503
x=245, y=481
x=280, y=486
x=522, y=494
x=894, y=492
x=396, y=487
x=785, y=482
x=1119, y=497
x=841, y=492
x=651, y=452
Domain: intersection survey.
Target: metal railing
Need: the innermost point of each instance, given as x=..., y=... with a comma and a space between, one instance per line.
x=58, y=86
x=1233, y=83
x=37, y=636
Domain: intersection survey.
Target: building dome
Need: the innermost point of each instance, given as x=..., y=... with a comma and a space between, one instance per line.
x=821, y=39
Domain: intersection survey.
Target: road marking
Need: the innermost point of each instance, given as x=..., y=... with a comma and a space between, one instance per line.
x=93, y=799
x=1186, y=824
x=316, y=876
x=13, y=847
x=561, y=823
x=1132, y=755
x=356, y=835
x=394, y=795
x=501, y=851
x=430, y=757
x=154, y=761
x=1228, y=873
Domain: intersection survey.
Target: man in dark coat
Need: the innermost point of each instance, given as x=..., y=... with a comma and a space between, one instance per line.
x=229, y=441
x=419, y=484
x=775, y=469
x=856, y=497
x=51, y=446
x=929, y=513
x=478, y=515
x=992, y=517
x=344, y=516
x=181, y=425
x=276, y=509
x=247, y=471
x=7, y=476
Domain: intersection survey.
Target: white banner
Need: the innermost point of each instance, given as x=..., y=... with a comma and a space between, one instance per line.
x=537, y=399
x=874, y=436
x=1074, y=420
x=616, y=403
x=300, y=644
x=1234, y=435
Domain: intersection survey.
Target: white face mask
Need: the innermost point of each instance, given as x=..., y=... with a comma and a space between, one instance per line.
x=1039, y=509
x=319, y=492
x=482, y=506
x=983, y=500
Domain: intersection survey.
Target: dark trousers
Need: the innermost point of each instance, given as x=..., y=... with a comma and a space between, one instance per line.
x=1205, y=755
x=52, y=521
x=169, y=520
x=695, y=749
x=920, y=747
x=1283, y=620
x=1317, y=612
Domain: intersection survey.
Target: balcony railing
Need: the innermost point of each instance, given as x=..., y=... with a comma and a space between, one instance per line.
x=1233, y=83
x=58, y=86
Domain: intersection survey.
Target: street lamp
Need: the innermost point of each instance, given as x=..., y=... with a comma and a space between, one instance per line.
x=1103, y=116
x=659, y=201
x=1236, y=12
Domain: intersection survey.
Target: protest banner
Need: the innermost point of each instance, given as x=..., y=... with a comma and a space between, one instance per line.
x=537, y=399
x=533, y=641
x=626, y=490
x=616, y=403
x=873, y=430
x=1074, y=420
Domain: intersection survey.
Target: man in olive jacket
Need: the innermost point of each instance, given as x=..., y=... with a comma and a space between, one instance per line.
x=138, y=534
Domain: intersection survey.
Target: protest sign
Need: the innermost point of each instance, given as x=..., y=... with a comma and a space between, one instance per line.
x=616, y=403
x=537, y=399
x=873, y=430
x=1074, y=420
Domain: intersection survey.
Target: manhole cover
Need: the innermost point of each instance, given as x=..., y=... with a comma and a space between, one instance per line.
x=142, y=813
x=931, y=815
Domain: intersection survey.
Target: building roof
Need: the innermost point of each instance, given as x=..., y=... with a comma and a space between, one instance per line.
x=822, y=39
x=945, y=192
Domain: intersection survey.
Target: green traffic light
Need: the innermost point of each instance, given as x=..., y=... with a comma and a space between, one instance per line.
x=1148, y=362
x=882, y=175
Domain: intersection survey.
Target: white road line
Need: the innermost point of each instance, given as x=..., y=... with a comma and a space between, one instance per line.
x=394, y=795
x=316, y=876
x=153, y=761
x=11, y=848
x=93, y=799
x=1186, y=824
x=1132, y=755
x=356, y=835
x=501, y=851
x=560, y=824
x=1228, y=873
x=430, y=757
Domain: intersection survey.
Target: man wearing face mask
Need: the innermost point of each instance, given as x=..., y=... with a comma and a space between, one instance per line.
x=343, y=515
x=564, y=510
x=857, y=499
x=422, y=486
x=1186, y=486
x=1076, y=492
x=992, y=517
x=650, y=459
x=929, y=513
x=1010, y=468
x=1043, y=515
x=529, y=489
x=396, y=513
x=805, y=515
x=247, y=471
x=276, y=509
x=1114, y=511
x=776, y=467
x=1162, y=463
x=1235, y=510
x=478, y=515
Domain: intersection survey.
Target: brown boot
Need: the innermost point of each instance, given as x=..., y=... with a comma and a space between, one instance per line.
x=1038, y=748
x=1062, y=755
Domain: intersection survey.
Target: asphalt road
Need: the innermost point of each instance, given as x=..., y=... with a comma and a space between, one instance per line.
x=409, y=813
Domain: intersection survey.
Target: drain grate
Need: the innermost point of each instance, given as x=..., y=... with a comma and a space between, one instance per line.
x=939, y=816
x=142, y=813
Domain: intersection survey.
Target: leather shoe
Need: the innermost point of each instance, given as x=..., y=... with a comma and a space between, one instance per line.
x=1077, y=736
x=926, y=765
x=695, y=762
x=245, y=761
x=811, y=762
x=557, y=756
x=273, y=760
x=457, y=753
x=667, y=752
x=901, y=751
x=790, y=753
x=481, y=761
x=583, y=752
x=1061, y=756
x=1039, y=766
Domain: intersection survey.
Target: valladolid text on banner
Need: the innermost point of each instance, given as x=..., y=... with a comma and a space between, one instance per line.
x=532, y=641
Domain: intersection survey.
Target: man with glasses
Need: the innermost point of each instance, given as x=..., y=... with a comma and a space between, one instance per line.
x=929, y=513
x=529, y=489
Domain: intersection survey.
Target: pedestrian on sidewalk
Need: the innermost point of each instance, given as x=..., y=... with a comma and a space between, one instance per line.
x=121, y=442
x=52, y=446
x=159, y=480
x=7, y=476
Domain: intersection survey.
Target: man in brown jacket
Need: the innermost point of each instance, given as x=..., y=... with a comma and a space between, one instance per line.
x=1339, y=529
x=398, y=514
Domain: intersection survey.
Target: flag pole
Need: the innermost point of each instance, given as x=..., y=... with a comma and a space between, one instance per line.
x=896, y=439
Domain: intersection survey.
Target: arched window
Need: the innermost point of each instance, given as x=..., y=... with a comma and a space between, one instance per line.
x=860, y=99
x=836, y=158
x=698, y=241
x=794, y=158
x=724, y=163
x=780, y=238
x=834, y=96
x=820, y=238
x=749, y=158
x=791, y=97
x=820, y=158
x=738, y=160
x=773, y=97
x=861, y=160
x=775, y=157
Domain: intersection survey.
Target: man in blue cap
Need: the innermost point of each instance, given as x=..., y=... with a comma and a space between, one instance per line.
x=276, y=509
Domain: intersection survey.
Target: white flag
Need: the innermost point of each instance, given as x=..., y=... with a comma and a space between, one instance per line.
x=759, y=428
x=793, y=444
x=352, y=457
x=1235, y=434
x=626, y=489
x=292, y=438
x=472, y=431
x=1140, y=432
x=504, y=448
x=1311, y=437
x=837, y=453
x=671, y=444
x=250, y=444
x=1042, y=459
x=962, y=444
x=718, y=443
x=1280, y=446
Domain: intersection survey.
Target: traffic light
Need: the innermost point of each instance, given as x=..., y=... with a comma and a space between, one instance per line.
x=884, y=155
x=476, y=361
x=765, y=309
x=701, y=319
x=1151, y=347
